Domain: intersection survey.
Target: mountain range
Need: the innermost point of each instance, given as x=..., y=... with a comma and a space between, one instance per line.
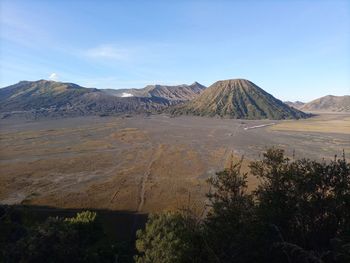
x=172, y=93
x=295, y=104
x=234, y=98
x=327, y=103
x=57, y=99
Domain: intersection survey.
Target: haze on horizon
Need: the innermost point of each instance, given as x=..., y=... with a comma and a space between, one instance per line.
x=295, y=50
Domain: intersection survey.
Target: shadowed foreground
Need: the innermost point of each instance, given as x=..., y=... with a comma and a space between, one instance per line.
x=298, y=214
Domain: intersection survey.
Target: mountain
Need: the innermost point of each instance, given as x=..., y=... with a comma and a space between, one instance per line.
x=51, y=98
x=295, y=104
x=329, y=103
x=238, y=98
x=28, y=95
x=172, y=93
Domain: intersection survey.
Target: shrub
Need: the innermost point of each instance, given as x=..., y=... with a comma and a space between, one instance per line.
x=168, y=237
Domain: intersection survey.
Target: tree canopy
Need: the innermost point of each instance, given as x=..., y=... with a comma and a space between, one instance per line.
x=300, y=212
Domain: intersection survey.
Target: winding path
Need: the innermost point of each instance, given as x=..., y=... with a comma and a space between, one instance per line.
x=145, y=177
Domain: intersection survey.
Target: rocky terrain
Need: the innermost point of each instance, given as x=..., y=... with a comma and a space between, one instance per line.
x=238, y=99
x=173, y=93
x=35, y=99
x=328, y=103
x=295, y=104
x=235, y=98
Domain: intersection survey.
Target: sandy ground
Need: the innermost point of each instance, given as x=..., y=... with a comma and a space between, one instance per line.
x=324, y=123
x=145, y=164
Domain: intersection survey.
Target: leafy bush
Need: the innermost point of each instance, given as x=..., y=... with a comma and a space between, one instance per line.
x=299, y=213
x=306, y=202
x=168, y=237
x=76, y=239
x=228, y=226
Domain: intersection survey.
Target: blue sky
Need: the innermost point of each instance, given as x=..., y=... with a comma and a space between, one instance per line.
x=295, y=50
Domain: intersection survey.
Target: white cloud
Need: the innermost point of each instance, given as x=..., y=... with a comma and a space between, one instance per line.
x=107, y=52
x=125, y=95
x=53, y=76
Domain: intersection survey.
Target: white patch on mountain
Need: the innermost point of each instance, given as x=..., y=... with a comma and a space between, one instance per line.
x=125, y=95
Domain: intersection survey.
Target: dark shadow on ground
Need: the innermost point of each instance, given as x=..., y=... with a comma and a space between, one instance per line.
x=118, y=225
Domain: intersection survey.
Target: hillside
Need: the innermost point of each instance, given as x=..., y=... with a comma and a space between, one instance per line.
x=29, y=95
x=329, y=104
x=295, y=104
x=50, y=98
x=174, y=93
x=240, y=99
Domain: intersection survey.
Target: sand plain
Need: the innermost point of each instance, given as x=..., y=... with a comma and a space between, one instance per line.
x=145, y=163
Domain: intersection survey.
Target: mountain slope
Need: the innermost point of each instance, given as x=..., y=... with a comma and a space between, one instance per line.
x=329, y=103
x=27, y=95
x=238, y=98
x=50, y=98
x=295, y=104
x=172, y=93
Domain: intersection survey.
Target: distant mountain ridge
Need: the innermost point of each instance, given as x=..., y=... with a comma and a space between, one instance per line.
x=235, y=98
x=295, y=104
x=27, y=95
x=45, y=98
x=57, y=99
x=174, y=93
x=328, y=103
x=238, y=98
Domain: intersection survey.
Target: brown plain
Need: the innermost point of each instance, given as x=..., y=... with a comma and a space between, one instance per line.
x=144, y=164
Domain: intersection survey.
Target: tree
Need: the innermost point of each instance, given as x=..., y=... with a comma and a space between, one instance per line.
x=229, y=226
x=304, y=203
x=169, y=237
x=77, y=239
x=300, y=213
x=12, y=228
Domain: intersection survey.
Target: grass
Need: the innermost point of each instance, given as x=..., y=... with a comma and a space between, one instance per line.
x=325, y=124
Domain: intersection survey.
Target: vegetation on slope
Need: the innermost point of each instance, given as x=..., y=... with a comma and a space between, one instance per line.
x=57, y=99
x=328, y=103
x=295, y=104
x=173, y=93
x=239, y=99
x=28, y=95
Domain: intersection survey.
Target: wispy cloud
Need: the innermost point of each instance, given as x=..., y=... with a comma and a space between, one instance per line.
x=19, y=29
x=107, y=52
x=53, y=76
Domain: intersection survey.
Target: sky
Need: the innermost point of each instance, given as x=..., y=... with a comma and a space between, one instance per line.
x=295, y=50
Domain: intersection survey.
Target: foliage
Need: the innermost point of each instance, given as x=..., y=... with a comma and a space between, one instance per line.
x=12, y=228
x=300, y=213
x=86, y=217
x=168, y=237
x=228, y=224
x=76, y=239
x=306, y=202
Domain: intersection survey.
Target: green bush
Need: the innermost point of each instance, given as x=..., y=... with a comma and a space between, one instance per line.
x=299, y=213
x=168, y=237
x=76, y=239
